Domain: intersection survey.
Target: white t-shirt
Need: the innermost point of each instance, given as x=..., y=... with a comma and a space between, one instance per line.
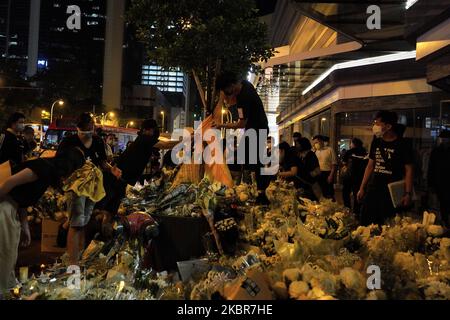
x=327, y=158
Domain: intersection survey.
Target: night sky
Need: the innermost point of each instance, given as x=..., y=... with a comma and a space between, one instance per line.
x=266, y=6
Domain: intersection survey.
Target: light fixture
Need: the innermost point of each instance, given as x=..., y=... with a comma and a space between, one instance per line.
x=61, y=102
x=324, y=119
x=360, y=63
x=410, y=3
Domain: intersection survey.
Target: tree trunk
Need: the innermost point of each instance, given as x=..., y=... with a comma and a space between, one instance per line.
x=209, y=82
x=216, y=74
x=200, y=89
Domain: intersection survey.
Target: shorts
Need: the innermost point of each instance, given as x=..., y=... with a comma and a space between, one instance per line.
x=80, y=209
x=9, y=243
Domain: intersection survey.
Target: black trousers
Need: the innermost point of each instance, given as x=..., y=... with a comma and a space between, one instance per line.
x=377, y=206
x=350, y=190
x=346, y=192
x=327, y=188
x=262, y=181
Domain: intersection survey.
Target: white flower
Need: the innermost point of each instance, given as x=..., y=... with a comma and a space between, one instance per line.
x=298, y=289
x=353, y=280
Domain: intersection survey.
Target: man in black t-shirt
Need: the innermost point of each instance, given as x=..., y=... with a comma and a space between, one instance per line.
x=251, y=116
x=80, y=206
x=390, y=160
x=11, y=146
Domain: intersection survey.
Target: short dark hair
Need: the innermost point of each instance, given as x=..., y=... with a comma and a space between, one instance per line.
x=28, y=129
x=297, y=135
x=357, y=142
x=304, y=144
x=16, y=116
x=84, y=120
x=284, y=146
x=225, y=80
x=325, y=139
x=318, y=137
x=149, y=124
x=388, y=117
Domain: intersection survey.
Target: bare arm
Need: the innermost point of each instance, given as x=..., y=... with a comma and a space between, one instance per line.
x=20, y=178
x=369, y=170
x=409, y=182
x=235, y=125
x=114, y=170
x=409, y=178
x=291, y=173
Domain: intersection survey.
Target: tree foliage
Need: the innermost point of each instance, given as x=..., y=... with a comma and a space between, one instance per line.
x=202, y=36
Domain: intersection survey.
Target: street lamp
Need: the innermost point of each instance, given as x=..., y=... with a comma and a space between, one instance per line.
x=105, y=116
x=45, y=114
x=131, y=123
x=163, y=122
x=60, y=103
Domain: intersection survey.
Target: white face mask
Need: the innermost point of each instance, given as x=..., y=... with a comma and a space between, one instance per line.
x=20, y=127
x=86, y=134
x=377, y=130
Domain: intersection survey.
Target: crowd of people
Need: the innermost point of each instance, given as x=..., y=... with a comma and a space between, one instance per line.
x=371, y=178
x=23, y=182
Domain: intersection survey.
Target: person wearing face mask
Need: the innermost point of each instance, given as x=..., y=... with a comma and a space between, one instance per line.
x=11, y=146
x=390, y=160
x=29, y=142
x=81, y=207
x=23, y=187
x=439, y=174
x=328, y=166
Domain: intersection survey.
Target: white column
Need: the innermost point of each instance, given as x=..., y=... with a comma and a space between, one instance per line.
x=112, y=73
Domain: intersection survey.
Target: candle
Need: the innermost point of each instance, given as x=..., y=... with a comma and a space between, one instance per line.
x=23, y=271
x=16, y=292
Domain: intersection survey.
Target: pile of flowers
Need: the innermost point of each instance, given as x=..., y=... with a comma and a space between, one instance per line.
x=52, y=205
x=292, y=249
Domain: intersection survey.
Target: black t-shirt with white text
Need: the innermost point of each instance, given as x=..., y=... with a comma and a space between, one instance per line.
x=390, y=159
